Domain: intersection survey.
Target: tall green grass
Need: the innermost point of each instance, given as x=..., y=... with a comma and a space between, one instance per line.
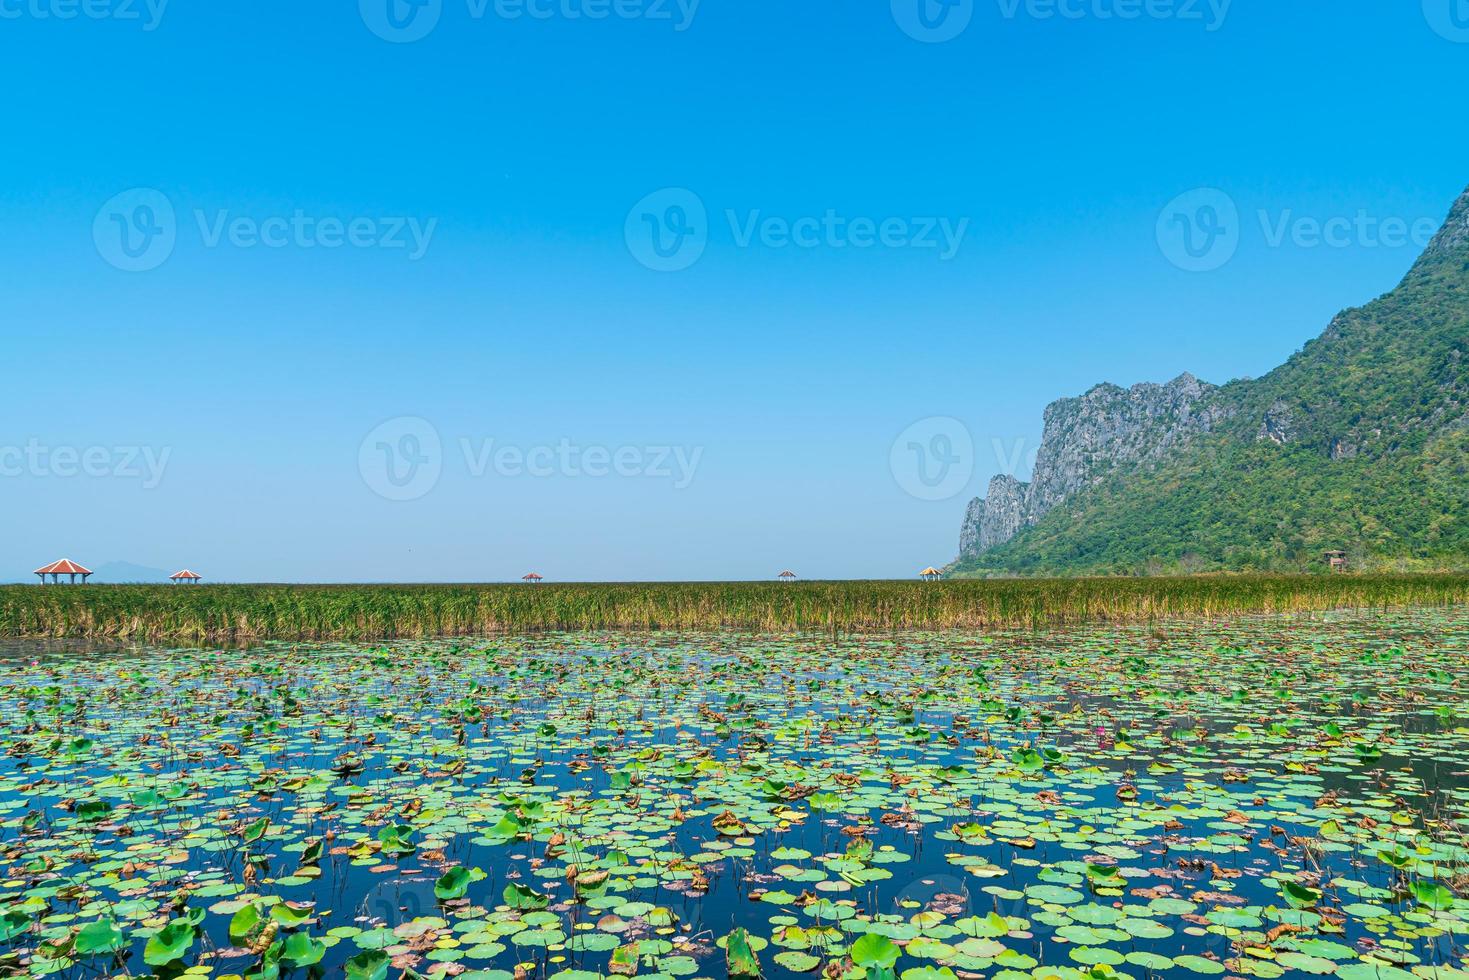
x=236, y=613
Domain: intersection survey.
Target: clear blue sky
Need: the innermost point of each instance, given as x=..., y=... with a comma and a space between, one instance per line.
x=523, y=144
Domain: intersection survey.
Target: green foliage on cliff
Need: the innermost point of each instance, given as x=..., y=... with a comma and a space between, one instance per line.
x=1374, y=460
x=1257, y=507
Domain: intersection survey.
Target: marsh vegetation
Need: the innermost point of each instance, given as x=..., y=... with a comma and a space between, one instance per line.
x=247, y=613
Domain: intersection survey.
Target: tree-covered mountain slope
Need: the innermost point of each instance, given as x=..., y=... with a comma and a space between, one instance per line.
x=1360, y=442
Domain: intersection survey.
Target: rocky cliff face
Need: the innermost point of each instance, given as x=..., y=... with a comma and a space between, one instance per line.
x=1279, y=424
x=1085, y=439
x=1001, y=514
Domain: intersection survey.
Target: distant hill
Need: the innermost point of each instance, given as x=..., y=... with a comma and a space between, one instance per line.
x=1359, y=442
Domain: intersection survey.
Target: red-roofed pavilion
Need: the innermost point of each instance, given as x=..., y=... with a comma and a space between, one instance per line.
x=192, y=578
x=532, y=578
x=63, y=567
x=787, y=576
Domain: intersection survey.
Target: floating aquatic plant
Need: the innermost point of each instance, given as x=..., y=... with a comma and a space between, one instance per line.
x=1248, y=799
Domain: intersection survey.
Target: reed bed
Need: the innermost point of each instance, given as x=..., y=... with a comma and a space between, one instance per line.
x=247, y=613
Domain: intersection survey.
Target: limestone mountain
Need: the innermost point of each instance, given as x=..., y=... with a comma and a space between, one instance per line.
x=1360, y=441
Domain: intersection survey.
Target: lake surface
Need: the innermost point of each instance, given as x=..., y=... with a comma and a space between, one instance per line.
x=1253, y=798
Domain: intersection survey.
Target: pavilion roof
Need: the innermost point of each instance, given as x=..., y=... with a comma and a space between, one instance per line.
x=63, y=567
